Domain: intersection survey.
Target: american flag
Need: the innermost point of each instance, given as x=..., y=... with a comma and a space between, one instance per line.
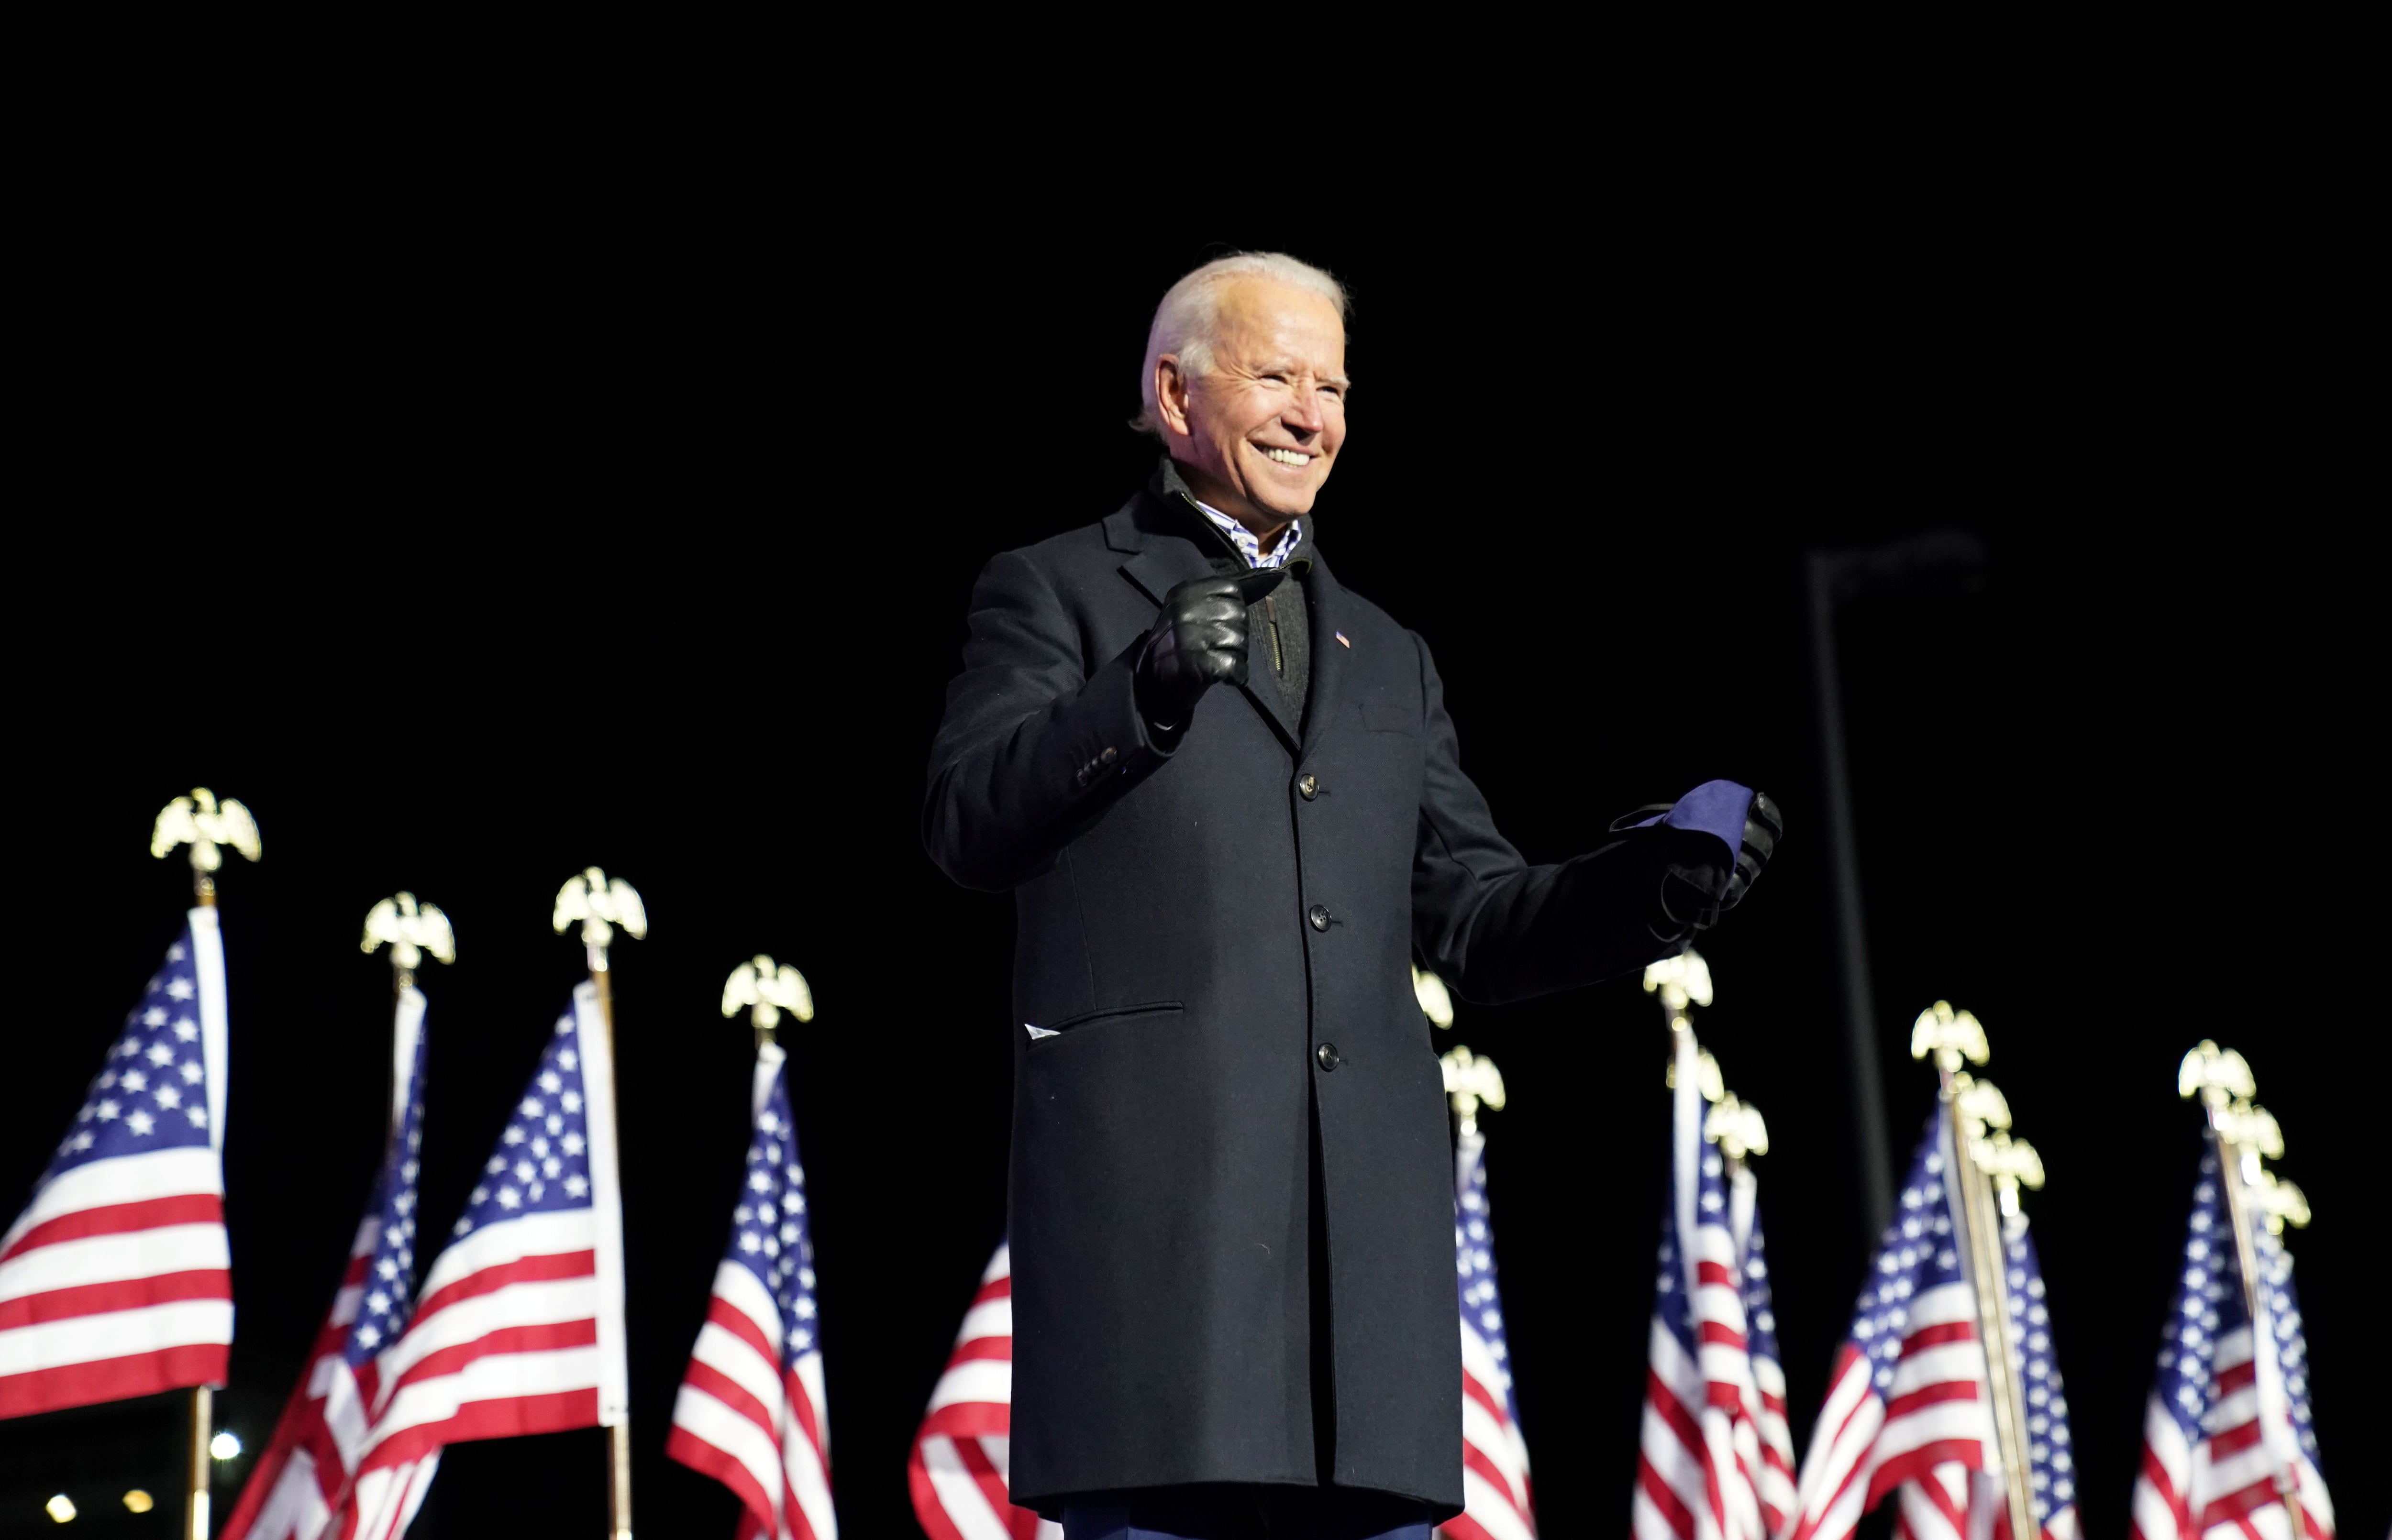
x=1714, y=1458
x=306, y=1467
x=957, y=1469
x=1909, y=1408
x=116, y=1280
x=1495, y=1494
x=2225, y=1420
x=750, y=1413
x=519, y=1325
x=1908, y=1403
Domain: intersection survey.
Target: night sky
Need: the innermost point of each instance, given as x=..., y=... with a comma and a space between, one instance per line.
x=473, y=528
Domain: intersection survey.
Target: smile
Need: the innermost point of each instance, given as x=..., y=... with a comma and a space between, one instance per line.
x=1286, y=456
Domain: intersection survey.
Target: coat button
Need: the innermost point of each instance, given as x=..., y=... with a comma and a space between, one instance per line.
x=1108, y=756
x=1308, y=788
x=1327, y=1056
x=1319, y=915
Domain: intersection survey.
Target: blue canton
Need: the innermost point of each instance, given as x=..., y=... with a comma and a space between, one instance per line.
x=153, y=1093
x=2209, y=1307
x=2051, y=1460
x=771, y=1236
x=543, y=1160
x=390, y=1275
x=1474, y=1249
x=1919, y=1252
x=1248, y=546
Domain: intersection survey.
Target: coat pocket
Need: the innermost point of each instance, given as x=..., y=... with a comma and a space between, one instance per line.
x=1105, y=1018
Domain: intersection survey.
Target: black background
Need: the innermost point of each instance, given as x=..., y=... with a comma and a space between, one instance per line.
x=557, y=505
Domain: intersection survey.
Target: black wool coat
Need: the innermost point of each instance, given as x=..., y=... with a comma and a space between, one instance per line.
x=1218, y=931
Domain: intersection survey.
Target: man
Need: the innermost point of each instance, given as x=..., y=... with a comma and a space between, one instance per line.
x=1227, y=797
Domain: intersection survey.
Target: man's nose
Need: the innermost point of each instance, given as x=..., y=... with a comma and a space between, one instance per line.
x=1304, y=417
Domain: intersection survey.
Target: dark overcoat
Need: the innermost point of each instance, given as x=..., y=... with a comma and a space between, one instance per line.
x=1218, y=933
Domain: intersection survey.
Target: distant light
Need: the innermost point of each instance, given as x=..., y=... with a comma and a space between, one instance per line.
x=224, y=1445
x=138, y=1501
x=61, y=1508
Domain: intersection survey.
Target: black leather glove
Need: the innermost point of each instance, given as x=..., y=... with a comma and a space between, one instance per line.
x=1697, y=884
x=1198, y=642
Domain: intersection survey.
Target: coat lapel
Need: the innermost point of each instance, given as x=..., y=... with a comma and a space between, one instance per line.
x=1326, y=604
x=1164, y=565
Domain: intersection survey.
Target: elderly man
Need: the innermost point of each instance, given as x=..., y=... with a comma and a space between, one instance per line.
x=1226, y=795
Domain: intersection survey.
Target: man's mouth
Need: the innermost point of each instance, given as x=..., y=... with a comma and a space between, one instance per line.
x=1285, y=456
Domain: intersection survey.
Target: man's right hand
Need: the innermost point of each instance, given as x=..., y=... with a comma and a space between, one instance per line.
x=1198, y=642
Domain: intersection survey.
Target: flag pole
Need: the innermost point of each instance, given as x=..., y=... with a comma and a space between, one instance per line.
x=2238, y=1131
x=1968, y=1108
x=601, y=905
x=1735, y=1127
x=410, y=931
x=1969, y=1131
x=619, y=1433
x=206, y=826
x=2003, y=1164
x=202, y=1410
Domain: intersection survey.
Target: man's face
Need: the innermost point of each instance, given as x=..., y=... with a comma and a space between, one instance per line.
x=1256, y=435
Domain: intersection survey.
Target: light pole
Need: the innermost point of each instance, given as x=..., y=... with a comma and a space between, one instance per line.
x=1939, y=561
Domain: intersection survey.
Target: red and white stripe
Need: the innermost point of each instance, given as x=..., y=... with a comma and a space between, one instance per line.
x=743, y=1422
x=1701, y=1466
x=741, y=1418
x=2224, y=1487
x=504, y=1342
x=957, y=1469
x=307, y=1465
x=1931, y=1428
x=518, y=1328
x=116, y=1280
x=1776, y=1474
x=1497, y=1500
x=1776, y=1478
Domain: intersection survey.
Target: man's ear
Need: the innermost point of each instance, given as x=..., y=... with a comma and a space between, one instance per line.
x=1171, y=395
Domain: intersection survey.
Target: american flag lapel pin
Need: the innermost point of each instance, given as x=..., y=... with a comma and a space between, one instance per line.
x=1340, y=640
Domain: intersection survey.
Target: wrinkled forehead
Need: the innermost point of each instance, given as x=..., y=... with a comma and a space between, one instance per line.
x=1266, y=316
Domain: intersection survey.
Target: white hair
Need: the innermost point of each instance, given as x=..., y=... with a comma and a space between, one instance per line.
x=1189, y=317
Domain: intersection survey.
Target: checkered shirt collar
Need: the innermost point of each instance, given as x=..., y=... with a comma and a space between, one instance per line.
x=1239, y=535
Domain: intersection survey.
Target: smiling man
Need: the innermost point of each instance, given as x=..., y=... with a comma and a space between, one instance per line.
x=1227, y=797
